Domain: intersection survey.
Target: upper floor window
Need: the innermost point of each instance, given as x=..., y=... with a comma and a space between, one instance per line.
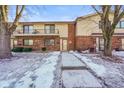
x=27, y=29
x=49, y=28
x=28, y=42
x=120, y=24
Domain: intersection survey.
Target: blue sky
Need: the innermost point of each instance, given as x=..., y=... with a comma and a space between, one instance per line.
x=52, y=12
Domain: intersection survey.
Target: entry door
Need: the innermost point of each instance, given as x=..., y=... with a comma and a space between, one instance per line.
x=64, y=45
x=101, y=44
x=122, y=43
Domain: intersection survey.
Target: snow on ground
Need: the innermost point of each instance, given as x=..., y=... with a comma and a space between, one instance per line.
x=119, y=53
x=28, y=70
x=111, y=73
x=79, y=78
x=99, y=69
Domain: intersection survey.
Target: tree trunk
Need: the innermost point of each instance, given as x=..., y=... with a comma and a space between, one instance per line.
x=108, y=46
x=5, y=46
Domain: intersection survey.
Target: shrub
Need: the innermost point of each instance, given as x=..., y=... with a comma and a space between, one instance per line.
x=44, y=49
x=27, y=49
x=92, y=49
x=117, y=49
x=17, y=49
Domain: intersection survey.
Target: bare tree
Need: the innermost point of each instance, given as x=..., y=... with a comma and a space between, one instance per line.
x=107, y=26
x=6, y=29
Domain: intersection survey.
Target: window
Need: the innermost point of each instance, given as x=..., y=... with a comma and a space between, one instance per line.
x=28, y=42
x=27, y=29
x=49, y=42
x=49, y=28
x=122, y=24
x=15, y=42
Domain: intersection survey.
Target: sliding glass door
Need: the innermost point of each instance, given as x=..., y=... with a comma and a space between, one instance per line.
x=27, y=29
x=49, y=29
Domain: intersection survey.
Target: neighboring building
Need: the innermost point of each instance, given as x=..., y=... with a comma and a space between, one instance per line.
x=89, y=34
x=82, y=34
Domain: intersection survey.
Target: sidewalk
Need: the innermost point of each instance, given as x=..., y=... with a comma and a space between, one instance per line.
x=69, y=61
x=77, y=75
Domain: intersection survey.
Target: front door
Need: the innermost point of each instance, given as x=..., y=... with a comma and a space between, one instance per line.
x=101, y=44
x=64, y=45
x=122, y=43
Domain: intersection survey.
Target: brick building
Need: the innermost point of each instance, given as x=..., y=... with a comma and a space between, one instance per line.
x=81, y=34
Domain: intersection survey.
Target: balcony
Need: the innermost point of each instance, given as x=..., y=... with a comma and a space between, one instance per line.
x=36, y=32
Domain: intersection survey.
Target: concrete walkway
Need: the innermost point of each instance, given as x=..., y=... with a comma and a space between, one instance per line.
x=69, y=61
x=75, y=73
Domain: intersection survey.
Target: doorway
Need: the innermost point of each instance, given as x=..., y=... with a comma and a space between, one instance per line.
x=63, y=44
x=123, y=44
x=101, y=44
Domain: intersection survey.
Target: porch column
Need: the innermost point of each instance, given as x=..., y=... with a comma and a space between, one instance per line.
x=97, y=44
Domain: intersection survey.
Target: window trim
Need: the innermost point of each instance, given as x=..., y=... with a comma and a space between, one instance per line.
x=48, y=44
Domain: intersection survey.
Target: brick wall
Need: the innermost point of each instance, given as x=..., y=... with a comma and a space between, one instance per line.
x=71, y=36
x=85, y=42
x=116, y=42
x=38, y=42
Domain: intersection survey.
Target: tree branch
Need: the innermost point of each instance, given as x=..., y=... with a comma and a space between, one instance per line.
x=17, y=9
x=96, y=10
x=16, y=20
x=117, y=16
x=3, y=11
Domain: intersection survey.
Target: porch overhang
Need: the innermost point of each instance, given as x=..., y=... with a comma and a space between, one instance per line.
x=100, y=34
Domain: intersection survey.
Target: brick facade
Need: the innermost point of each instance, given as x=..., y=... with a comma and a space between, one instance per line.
x=80, y=34
x=116, y=42
x=71, y=36
x=38, y=42
x=85, y=42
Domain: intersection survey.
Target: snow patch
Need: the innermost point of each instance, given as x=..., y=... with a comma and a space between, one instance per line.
x=45, y=72
x=26, y=70
x=118, y=53
x=100, y=70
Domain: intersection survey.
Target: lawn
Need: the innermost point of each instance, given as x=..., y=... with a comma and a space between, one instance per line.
x=28, y=70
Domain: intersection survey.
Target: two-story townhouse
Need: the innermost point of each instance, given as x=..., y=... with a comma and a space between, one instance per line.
x=52, y=35
x=89, y=33
x=81, y=34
